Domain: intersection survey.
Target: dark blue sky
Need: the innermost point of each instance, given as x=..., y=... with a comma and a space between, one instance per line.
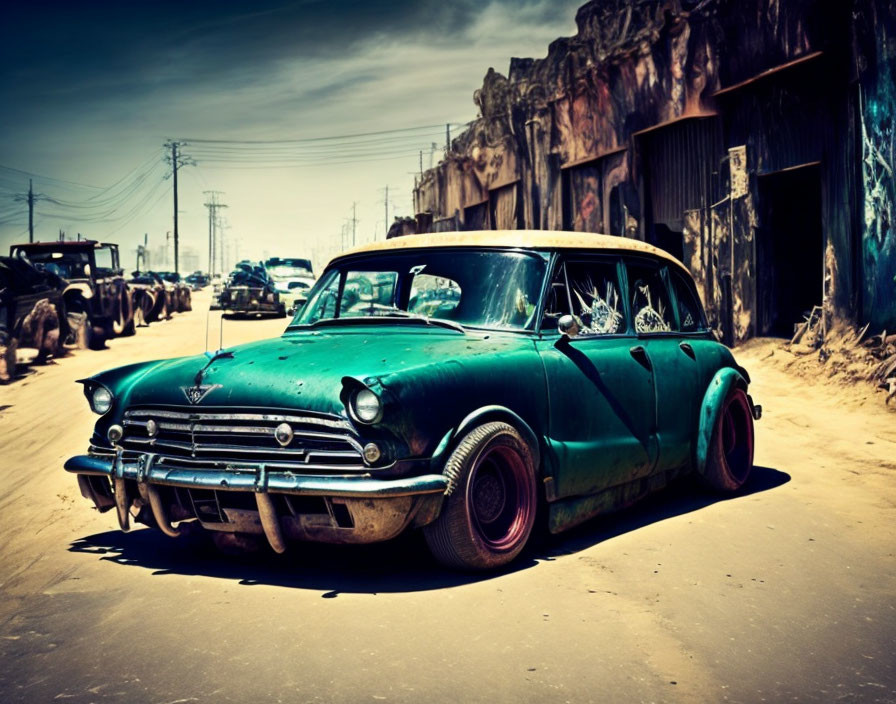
x=91, y=90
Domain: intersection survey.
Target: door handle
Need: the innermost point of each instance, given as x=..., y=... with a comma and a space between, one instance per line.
x=688, y=350
x=640, y=355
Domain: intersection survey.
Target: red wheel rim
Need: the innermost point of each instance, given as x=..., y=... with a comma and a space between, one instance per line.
x=737, y=436
x=500, y=499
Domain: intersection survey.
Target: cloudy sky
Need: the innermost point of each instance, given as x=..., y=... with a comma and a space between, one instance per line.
x=295, y=111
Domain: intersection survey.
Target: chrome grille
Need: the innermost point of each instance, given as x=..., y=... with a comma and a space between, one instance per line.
x=214, y=437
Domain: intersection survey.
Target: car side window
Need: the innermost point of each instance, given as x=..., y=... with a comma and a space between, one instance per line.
x=556, y=303
x=651, y=309
x=595, y=297
x=690, y=312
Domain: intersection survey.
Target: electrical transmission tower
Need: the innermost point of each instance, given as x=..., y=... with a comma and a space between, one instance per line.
x=213, y=222
x=176, y=159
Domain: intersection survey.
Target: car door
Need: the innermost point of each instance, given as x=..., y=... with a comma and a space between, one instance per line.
x=674, y=358
x=601, y=428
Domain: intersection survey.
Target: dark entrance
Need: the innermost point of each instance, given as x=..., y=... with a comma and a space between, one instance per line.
x=789, y=249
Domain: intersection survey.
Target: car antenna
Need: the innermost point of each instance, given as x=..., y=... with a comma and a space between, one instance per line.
x=221, y=333
x=208, y=315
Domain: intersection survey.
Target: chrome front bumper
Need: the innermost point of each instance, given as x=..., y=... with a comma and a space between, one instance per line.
x=379, y=508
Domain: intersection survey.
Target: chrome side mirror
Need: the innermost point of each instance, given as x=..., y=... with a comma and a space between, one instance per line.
x=291, y=311
x=567, y=326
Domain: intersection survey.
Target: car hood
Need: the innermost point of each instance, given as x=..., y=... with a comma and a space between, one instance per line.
x=305, y=370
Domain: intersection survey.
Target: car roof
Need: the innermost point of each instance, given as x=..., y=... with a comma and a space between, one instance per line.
x=70, y=244
x=523, y=239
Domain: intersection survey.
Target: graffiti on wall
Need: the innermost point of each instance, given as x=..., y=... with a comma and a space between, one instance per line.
x=879, y=185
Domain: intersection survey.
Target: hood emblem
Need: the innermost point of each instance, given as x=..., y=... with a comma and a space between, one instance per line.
x=198, y=392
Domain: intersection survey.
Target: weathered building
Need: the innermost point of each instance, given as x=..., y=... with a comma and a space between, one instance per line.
x=754, y=139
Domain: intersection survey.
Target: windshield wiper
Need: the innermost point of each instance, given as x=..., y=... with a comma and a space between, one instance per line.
x=452, y=324
x=393, y=314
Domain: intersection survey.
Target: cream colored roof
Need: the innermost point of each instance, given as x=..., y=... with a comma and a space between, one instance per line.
x=525, y=239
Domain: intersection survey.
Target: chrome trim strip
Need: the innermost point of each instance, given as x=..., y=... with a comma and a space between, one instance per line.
x=208, y=448
x=264, y=417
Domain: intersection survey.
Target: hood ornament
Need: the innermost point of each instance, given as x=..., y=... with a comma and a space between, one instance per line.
x=198, y=392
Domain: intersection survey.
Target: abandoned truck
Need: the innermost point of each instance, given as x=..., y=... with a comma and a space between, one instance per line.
x=452, y=382
x=98, y=301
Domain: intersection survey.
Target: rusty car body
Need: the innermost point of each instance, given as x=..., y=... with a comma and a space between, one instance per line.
x=251, y=290
x=453, y=382
x=98, y=300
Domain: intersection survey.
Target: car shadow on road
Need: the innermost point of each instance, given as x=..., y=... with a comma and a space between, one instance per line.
x=682, y=496
x=400, y=565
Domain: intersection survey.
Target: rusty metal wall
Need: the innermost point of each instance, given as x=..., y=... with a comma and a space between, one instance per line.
x=678, y=163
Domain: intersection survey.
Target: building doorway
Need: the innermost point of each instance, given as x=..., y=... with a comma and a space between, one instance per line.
x=789, y=249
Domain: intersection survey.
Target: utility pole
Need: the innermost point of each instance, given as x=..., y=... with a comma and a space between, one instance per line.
x=386, y=201
x=30, y=197
x=176, y=160
x=354, y=220
x=447, y=138
x=212, y=204
x=30, y=211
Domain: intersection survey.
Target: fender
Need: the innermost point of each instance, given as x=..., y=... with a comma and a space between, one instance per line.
x=81, y=288
x=477, y=417
x=715, y=396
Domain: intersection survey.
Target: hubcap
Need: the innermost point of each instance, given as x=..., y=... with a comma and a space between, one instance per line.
x=499, y=498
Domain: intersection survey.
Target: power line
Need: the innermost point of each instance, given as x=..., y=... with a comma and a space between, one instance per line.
x=312, y=139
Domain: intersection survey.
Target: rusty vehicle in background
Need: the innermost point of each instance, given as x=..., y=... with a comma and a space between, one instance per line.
x=180, y=292
x=461, y=383
x=98, y=300
x=150, y=296
x=293, y=279
x=250, y=290
x=32, y=314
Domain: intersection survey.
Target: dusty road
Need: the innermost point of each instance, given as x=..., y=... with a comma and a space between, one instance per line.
x=786, y=592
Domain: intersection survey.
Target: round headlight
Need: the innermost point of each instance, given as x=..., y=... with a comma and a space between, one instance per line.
x=366, y=406
x=101, y=400
x=372, y=452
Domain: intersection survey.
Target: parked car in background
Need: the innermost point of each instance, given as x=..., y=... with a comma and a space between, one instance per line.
x=197, y=280
x=151, y=297
x=293, y=278
x=251, y=290
x=32, y=313
x=451, y=382
x=98, y=300
x=181, y=292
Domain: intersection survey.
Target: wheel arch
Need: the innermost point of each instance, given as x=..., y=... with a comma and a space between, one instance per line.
x=486, y=414
x=713, y=401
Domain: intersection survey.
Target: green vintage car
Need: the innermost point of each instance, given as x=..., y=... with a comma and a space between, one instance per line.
x=460, y=383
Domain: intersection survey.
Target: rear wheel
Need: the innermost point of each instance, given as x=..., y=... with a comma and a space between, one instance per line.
x=123, y=323
x=730, y=458
x=486, y=521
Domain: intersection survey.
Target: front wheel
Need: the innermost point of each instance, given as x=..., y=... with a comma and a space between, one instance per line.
x=486, y=521
x=730, y=457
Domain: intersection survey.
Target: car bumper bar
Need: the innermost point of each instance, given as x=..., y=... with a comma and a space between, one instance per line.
x=253, y=477
x=383, y=506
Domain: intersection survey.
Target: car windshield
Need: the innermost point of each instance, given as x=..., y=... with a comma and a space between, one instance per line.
x=284, y=273
x=68, y=265
x=281, y=268
x=476, y=288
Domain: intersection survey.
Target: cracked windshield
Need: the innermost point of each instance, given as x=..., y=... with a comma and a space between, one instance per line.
x=496, y=290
